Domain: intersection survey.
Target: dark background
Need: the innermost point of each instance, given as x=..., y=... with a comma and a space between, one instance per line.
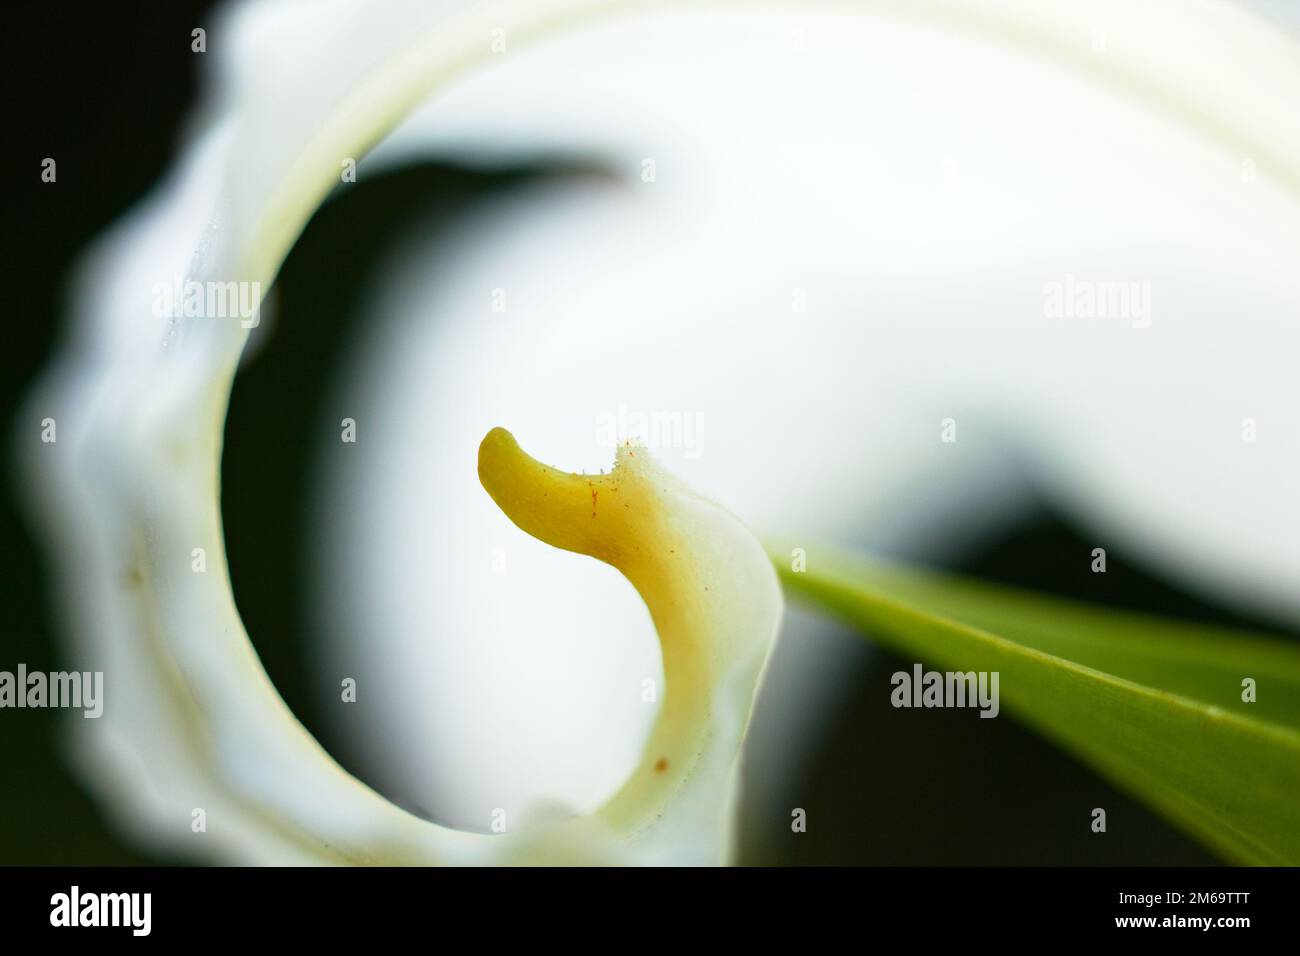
x=104, y=89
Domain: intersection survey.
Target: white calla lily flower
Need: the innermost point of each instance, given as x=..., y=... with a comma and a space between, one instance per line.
x=1031, y=95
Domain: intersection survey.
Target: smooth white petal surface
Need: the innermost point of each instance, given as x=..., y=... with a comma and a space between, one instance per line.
x=919, y=184
x=131, y=487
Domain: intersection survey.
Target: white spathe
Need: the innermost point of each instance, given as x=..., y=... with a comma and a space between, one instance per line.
x=1104, y=142
x=843, y=245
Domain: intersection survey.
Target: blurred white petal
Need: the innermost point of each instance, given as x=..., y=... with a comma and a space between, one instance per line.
x=918, y=172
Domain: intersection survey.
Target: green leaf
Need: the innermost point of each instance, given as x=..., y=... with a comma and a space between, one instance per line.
x=1154, y=705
